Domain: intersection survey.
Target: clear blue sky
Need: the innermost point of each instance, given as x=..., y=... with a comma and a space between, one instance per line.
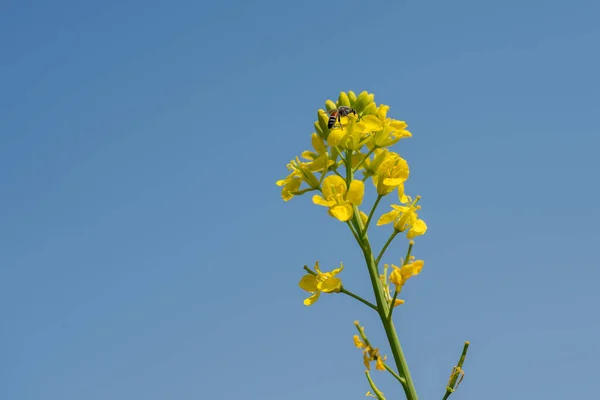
x=145, y=252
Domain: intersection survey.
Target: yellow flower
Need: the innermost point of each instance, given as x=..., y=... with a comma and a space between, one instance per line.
x=302, y=172
x=405, y=218
x=400, y=275
x=391, y=130
x=391, y=173
x=352, y=134
x=380, y=363
x=321, y=282
x=339, y=198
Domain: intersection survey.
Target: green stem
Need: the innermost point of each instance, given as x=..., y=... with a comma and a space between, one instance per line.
x=394, y=374
x=376, y=391
x=348, y=168
x=382, y=304
x=351, y=226
x=385, y=246
x=366, y=302
x=456, y=373
x=383, y=310
x=363, y=160
x=346, y=292
x=379, y=197
x=393, y=305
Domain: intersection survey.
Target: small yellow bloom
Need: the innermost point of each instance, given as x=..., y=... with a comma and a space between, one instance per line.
x=321, y=282
x=358, y=343
x=302, y=172
x=352, y=134
x=400, y=275
x=390, y=131
x=391, y=173
x=405, y=218
x=380, y=363
x=339, y=198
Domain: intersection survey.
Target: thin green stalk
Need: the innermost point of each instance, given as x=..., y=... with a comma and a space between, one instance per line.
x=392, y=306
x=363, y=160
x=379, y=197
x=385, y=246
x=351, y=226
x=348, y=167
x=394, y=374
x=376, y=391
x=366, y=302
x=383, y=310
x=457, y=372
x=346, y=292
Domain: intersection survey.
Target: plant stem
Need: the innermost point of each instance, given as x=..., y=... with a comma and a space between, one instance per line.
x=456, y=373
x=394, y=374
x=383, y=309
x=379, y=197
x=393, y=305
x=376, y=391
x=366, y=302
x=363, y=160
x=392, y=236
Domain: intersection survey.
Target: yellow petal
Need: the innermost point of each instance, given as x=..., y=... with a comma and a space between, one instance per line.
x=412, y=269
x=396, y=276
x=309, y=283
x=364, y=217
x=387, y=217
x=398, y=125
x=290, y=188
x=342, y=212
x=330, y=285
x=312, y=299
x=419, y=228
x=357, y=342
x=318, y=200
x=393, y=181
x=333, y=184
x=337, y=270
x=382, y=111
x=318, y=144
x=401, y=196
x=356, y=192
x=335, y=136
x=371, y=123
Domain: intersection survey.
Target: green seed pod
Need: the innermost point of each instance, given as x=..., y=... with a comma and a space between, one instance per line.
x=323, y=119
x=361, y=102
x=370, y=109
x=343, y=100
x=319, y=131
x=330, y=105
x=352, y=98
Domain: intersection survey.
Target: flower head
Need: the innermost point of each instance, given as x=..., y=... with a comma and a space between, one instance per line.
x=390, y=174
x=320, y=282
x=339, y=198
x=405, y=218
x=400, y=275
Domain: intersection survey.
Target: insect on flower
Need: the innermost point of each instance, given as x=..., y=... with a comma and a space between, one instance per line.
x=338, y=113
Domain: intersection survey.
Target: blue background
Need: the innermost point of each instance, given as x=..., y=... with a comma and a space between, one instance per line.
x=145, y=252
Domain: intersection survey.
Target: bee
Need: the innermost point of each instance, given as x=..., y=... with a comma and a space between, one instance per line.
x=338, y=113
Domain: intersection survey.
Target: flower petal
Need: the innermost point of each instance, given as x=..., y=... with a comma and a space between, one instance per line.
x=309, y=283
x=419, y=228
x=356, y=192
x=342, y=212
x=388, y=217
x=312, y=299
x=318, y=200
x=333, y=184
x=330, y=285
